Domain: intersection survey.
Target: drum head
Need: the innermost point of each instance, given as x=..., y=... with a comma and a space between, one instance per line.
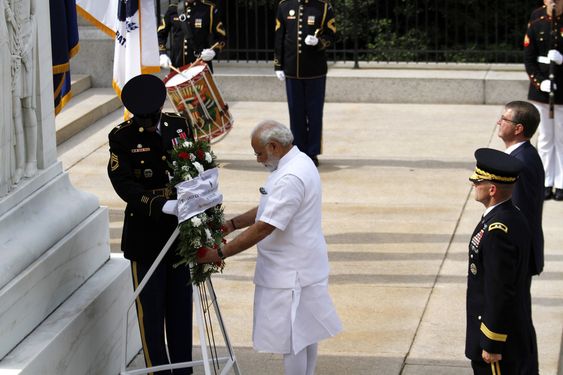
x=186, y=75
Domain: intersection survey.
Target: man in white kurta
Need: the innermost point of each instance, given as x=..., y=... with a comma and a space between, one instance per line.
x=292, y=308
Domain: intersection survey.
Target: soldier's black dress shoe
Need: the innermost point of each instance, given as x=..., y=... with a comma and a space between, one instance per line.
x=548, y=193
x=558, y=196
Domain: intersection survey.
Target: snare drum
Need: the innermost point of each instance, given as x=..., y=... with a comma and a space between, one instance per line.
x=195, y=95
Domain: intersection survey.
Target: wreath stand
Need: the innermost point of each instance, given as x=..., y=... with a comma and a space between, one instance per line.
x=202, y=295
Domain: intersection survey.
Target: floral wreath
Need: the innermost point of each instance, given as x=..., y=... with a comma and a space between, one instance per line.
x=204, y=230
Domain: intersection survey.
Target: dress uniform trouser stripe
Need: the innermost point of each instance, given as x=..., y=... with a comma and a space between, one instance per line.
x=140, y=314
x=495, y=368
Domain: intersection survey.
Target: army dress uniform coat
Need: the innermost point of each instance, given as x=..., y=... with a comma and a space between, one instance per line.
x=202, y=21
x=139, y=170
x=537, y=42
x=497, y=314
x=295, y=20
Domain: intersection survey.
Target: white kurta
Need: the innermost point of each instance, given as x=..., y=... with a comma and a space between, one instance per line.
x=292, y=307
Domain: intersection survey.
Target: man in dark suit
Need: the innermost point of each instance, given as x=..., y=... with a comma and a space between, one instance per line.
x=498, y=333
x=139, y=172
x=517, y=125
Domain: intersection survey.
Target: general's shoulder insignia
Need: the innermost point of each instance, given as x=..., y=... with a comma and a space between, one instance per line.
x=498, y=225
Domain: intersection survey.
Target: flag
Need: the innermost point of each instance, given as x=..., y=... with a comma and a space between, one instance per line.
x=64, y=46
x=132, y=24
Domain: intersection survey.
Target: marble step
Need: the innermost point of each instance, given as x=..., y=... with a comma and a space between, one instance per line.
x=84, y=334
x=80, y=83
x=84, y=110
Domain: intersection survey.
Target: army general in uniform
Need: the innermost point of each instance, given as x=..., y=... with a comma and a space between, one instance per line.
x=139, y=172
x=304, y=30
x=499, y=338
x=194, y=30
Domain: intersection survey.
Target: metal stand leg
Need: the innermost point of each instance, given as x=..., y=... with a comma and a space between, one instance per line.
x=200, y=311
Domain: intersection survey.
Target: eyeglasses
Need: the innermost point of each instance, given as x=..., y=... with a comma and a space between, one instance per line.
x=258, y=154
x=502, y=118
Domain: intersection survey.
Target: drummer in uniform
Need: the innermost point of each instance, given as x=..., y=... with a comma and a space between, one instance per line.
x=194, y=30
x=498, y=333
x=304, y=30
x=139, y=169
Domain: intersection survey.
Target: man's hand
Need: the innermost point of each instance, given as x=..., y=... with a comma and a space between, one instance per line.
x=165, y=61
x=545, y=85
x=311, y=40
x=207, y=54
x=491, y=357
x=207, y=255
x=555, y=56
x=280, y=74
x=171, y=207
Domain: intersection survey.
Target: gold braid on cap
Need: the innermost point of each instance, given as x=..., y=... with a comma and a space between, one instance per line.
x=480, y=174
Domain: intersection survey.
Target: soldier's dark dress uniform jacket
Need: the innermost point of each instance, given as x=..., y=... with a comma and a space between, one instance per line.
x=497, y=312
x=138, y=169
x=198, y=27
x=537, y=43
x=295, y=20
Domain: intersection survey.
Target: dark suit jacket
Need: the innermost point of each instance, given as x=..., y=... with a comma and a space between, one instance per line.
x=138, y=169
x=528, y=196
x=497, y=287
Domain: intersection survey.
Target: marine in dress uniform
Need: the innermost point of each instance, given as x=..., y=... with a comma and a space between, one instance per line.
x=304, y=30
x=541, y=46
x=194, y=30
x=497, y=279
x=138, y=169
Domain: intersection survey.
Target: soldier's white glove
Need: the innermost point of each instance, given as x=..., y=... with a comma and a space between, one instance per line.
x=311, y=40
x=545, y=85
x=555, y=56
x=280, y=74
x=171, y=207
x=165, y=61
x=207, y=54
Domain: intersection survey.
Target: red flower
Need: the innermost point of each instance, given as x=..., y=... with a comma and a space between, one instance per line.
x=201, y=252
x=200, y=154
x=184, y=155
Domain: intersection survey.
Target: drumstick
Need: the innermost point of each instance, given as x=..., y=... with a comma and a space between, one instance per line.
x=197, y=61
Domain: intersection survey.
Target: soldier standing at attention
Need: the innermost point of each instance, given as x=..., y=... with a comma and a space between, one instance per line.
x=304, y=30
x=138, y=169
x=498, y=333
x=542, y=47
x=194, y=31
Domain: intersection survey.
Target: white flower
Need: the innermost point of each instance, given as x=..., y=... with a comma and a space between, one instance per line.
x=208, y=234
x=207, y=267
x=187, y=177
x=198, y=166
x=196, y=221
x=196, y=243
x=185, y=168
x=187, y=144
x=174, y=163
x=208, y=157
x=192, y=157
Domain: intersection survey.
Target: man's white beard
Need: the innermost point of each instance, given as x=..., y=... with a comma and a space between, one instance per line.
x=271, y=163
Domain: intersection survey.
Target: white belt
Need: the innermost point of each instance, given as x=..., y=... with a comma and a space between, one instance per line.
x=544, y=59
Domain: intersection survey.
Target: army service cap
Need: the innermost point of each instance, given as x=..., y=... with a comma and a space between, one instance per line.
x=495, y=166
x=143, y=94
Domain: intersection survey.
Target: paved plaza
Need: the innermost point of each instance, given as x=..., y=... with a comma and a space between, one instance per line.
x=398, y=213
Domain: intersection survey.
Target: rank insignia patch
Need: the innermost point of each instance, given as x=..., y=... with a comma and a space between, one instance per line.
x=114, y=162
x=500, y=226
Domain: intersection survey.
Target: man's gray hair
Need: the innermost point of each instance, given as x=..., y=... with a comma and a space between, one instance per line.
x=271, y=130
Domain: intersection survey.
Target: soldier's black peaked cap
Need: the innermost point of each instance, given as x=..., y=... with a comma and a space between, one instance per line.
x=143, y=94
x=495, y=166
